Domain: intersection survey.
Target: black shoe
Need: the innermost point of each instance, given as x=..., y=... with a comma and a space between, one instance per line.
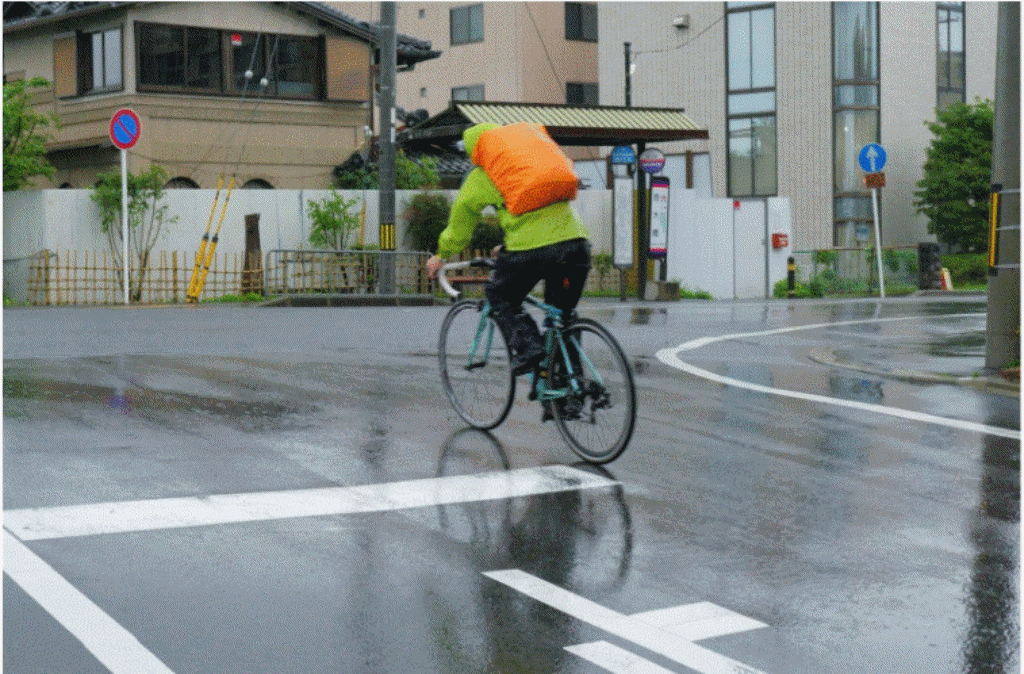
x=526, y=362
x=569, y=408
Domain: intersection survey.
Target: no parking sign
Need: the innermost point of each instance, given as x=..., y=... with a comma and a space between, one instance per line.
x=125, y=128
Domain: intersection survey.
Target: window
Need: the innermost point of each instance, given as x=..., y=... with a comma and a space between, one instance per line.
x=99, y=61
x=581, y=21
x=750, y=46
x=580, y=93
x=471, y=93
x=467, y=24
x=196, y=59
x=950, y=66
x=855, y=79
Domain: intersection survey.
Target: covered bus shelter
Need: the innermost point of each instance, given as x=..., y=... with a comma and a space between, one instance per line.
x=568, y=125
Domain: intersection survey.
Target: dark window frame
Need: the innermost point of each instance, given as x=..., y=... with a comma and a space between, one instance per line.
x=947, y=89
x=84, y=58
x=857, y=199
x=470, y=90
x=460, y=18
x=757, y=190
x=582, y=93
x=581, y=21
x=225, y=84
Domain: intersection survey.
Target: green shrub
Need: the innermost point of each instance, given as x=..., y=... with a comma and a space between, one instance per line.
x=967, y=269
x=781, y=289
x=428, y=216
x=332, y=221
x=687, y=294
x=488, y=234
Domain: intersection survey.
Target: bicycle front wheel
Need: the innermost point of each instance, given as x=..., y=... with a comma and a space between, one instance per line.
x=597, y=422
x=476, y=369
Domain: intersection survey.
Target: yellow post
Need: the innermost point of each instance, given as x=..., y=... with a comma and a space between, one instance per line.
x=213, y=242
x=192, y=295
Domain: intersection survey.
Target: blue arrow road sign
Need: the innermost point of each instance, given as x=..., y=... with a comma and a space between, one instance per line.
x=872, y=158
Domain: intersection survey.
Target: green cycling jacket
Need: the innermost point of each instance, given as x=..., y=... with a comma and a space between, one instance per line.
x=533, y=229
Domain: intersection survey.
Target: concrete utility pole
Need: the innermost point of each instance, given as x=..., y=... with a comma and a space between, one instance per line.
x=388, y=45
x=1003, y=328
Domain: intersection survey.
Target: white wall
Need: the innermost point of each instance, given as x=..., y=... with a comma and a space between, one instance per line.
x=67, y=219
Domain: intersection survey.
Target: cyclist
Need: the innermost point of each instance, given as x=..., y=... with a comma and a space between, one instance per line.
x=549, y=244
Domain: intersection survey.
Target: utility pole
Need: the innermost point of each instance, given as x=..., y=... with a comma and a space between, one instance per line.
x=388, y=45
x=1002, y=344
x=641, y=210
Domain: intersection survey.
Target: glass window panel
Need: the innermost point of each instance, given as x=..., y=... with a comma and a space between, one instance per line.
x=162, y=55
x=853, y=208
x=762, y=48
x=204, y=68
x=739, y=50
x=476, y=23
x=740, y=158
x=741, y=104
x=763, y=148
x=248, y=56
x=853, y=130
x=573, y=21
x=296, y=67
x=459, y=26
x=948, y=97
x=855, y=36
x=112, y=57
x=856, y=94
x=97, y=60
x=589, y=12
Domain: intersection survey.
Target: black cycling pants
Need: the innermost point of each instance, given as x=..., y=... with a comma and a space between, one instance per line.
x=562, y=266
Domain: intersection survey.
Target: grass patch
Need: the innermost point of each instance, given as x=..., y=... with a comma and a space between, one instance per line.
x=248, y=297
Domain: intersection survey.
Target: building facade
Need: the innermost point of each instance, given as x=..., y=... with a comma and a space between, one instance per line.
x=275, y=94
x=791, y=91
x=529, y=52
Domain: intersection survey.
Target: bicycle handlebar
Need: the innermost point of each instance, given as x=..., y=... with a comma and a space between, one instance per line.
x=482, y=262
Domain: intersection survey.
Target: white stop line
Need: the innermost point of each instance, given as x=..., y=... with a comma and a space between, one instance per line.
x=670, y=357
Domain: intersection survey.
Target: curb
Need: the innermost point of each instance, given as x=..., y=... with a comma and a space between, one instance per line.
x=993, y=384
x=347, y=300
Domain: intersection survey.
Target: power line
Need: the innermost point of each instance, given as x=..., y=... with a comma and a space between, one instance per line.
x=683, y=44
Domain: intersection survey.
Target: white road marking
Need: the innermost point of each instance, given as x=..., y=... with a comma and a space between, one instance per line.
x=702, y=620
x=670, y=357
x=114, y=646
x=643, y=634
x=171, y=513
x=616, y=660
x=691, y=622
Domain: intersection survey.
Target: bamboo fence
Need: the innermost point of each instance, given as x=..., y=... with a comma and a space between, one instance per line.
x=76, y=277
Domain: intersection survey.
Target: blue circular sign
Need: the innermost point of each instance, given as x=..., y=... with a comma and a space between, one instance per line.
x=872, y=158
x=125, y=128
x=623, y=154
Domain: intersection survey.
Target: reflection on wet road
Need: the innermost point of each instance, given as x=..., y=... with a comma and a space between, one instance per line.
x=256, y=492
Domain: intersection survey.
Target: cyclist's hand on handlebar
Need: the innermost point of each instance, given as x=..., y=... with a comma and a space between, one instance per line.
x=434, y=264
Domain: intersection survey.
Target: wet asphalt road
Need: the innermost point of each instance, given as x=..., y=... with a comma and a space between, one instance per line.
x=755, y=532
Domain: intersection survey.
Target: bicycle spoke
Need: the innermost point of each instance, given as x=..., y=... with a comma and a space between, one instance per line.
x=598, y=421
x=475, y=366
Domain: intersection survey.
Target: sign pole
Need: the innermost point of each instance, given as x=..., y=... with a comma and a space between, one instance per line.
x=878, y=242
x=125, y=129
x=124, y=221
x=872, y=159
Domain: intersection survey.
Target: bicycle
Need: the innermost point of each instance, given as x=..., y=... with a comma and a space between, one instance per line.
x=584, y=383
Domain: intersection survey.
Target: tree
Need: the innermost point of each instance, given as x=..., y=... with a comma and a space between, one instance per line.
x=955, y=190
x=333, y=221
x=25, y=135
x=146, y=220
x=358, y=174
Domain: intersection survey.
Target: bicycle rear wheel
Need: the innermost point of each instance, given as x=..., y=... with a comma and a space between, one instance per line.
x=598, y=422
x=476, y=369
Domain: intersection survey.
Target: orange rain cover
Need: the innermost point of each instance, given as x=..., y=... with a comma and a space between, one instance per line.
x=526, y=165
